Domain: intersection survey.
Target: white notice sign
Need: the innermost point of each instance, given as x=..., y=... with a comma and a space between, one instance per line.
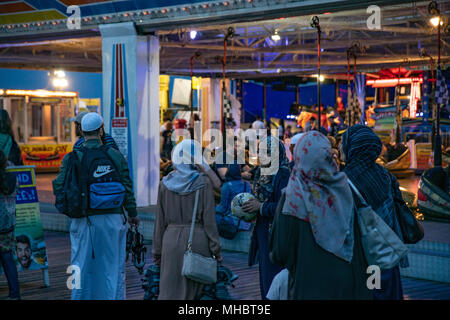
x=119, y=132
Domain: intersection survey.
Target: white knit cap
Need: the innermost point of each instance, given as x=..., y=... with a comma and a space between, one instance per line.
x=92, y=121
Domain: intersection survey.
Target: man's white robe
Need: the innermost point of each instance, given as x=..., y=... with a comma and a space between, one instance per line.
x=102, y=276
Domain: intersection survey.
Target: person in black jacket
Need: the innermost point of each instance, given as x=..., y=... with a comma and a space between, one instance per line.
x=8, y=189
x=267, y=189
x=7, y=142
x=361, y=147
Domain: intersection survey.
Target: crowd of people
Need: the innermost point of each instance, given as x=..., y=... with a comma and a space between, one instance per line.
x=305, y=233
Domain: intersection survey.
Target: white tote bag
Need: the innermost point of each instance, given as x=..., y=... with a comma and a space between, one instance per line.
x=382, y=247
x=195, y=266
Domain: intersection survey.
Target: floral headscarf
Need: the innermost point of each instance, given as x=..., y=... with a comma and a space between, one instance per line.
x=319, y=194
x=263, y=185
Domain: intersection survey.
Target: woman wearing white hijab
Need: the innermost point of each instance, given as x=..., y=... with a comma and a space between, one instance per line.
x=175, y=206
x=314, y=234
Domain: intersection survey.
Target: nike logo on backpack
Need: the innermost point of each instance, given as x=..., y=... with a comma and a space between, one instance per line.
x=102, y=170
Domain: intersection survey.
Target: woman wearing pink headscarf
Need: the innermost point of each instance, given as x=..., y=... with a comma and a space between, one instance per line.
x=315, y=234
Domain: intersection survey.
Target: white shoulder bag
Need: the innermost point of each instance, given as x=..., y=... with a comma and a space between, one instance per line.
x=382, y=247
x=195, y=266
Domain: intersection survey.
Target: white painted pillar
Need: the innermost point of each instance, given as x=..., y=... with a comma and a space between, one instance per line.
x=215, y=100
x=131, y=71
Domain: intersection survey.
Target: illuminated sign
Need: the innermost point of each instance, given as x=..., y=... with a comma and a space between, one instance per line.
x=39, y=93
x=380, y=83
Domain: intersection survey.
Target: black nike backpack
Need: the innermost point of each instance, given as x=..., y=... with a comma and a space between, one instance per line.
x=104, y=186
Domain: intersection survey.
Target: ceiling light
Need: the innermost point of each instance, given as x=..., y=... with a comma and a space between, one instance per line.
x=60, y=73
x=60, y=83
x=321, y=77
x=276, y=36
x=435, y=20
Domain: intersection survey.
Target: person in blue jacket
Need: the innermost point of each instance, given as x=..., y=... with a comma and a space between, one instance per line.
x=267, y=189
x=233, y=186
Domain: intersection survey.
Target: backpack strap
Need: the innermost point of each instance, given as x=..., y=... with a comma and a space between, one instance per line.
x=82, y=176
x=6, y=147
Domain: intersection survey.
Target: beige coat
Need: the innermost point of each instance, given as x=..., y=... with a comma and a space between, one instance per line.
x=171, y=235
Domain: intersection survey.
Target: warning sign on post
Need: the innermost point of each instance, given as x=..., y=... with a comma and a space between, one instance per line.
x=119, y=131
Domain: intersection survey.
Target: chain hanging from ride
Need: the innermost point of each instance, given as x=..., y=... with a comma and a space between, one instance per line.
x=354, y=110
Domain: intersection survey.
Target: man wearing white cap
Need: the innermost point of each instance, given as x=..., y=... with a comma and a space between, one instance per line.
x=77, y=121
x=106, y=138
x=98, y=241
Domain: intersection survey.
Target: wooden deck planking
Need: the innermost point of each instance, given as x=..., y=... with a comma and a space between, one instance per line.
x=246, y=287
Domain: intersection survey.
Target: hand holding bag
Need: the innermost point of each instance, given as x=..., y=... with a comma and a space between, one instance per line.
x=195, y=266
x=412, y=230
x=382, y=247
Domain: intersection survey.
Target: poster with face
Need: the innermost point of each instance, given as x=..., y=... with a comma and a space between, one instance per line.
x=30, y=250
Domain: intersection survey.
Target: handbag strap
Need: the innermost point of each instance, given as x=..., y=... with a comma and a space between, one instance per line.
x=352, y=186
x=194, y=213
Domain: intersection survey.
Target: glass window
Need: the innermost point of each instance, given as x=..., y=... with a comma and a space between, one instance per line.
x=42, y=121
x=17, y=114
x=65, y=113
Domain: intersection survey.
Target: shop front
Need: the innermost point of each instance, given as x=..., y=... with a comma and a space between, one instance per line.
x=41, y=122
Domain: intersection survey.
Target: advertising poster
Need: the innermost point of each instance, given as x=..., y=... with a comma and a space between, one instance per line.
x=90, y=105
x=30, y=252
x=424, y=156
x=44, y=156
x=119, y=131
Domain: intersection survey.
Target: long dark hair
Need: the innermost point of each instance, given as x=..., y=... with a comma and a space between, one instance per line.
x=5, y=124
x=6, y=186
